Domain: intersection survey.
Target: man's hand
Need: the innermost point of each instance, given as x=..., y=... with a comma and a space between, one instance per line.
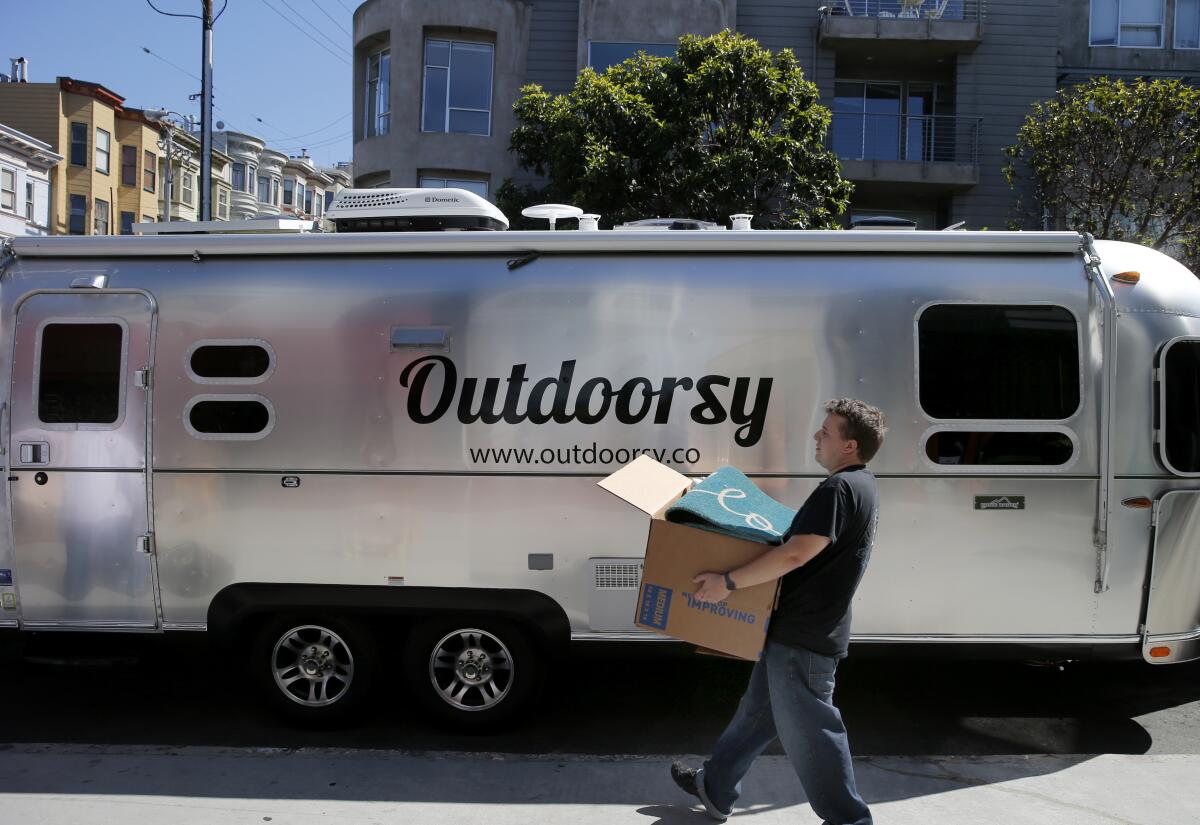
x=711, y=587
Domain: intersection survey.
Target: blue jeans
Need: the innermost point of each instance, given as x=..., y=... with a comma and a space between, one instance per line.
x=790, y=697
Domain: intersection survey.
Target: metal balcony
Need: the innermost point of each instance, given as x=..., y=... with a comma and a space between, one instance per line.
x=940, y=152
x=890, y=27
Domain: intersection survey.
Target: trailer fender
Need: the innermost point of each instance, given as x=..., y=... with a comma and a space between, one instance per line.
x=238, y=603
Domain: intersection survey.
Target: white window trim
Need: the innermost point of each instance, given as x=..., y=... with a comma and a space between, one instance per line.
x=13, y=172
x=1175, y=31
x=372, y=129
x=449, y=67
x=1162, y=40
x=107, y=152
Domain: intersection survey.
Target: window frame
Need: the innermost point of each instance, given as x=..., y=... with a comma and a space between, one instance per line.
x=1160, y=432
x=447, y=180
x=187, y=192
x=1162, y=28
x=229, y=342
x=105, y=152
x=30, y=201
x=149, y=171
x=289, y=191
x=1175, y=29
x=122, y=388
x=262, y=187
x=963, y=425
x=1039, y=424
x=96, y=216
x=78, y=148
x=449, y=67
x=126, y=149
x=258, y=436
x=377, y=94
x=222, y=203
x=121, y=222
x=83, y=215
x=12, y=207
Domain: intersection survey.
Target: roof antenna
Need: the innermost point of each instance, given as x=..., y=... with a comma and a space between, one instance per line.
x=552, y=212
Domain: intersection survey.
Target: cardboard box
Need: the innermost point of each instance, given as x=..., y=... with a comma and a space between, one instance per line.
x=675, y=553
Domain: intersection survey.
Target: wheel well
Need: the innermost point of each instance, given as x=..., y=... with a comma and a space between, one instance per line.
x=237, y=610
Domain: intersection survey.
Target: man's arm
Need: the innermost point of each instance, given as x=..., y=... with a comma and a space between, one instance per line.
x=795, y=552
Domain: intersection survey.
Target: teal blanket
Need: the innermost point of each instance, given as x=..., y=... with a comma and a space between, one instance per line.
x=728, y=502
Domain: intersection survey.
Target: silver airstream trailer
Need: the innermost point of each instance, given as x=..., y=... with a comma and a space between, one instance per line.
x=327, y=449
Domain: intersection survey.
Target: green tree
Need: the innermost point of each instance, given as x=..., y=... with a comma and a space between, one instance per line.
x=723, y=127
x=1120, y=160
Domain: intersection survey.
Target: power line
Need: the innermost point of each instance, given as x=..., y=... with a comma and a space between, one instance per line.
x=344, y=6
x=169, y=63
x=297, y=26
x=172, y=14
x=331, y=17
x=317, y=131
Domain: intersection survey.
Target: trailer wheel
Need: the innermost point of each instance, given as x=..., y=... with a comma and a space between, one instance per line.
x=316, y=671
x=473, y=675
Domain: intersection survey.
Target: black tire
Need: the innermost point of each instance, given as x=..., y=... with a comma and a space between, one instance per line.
x=314, y=670
x=469, y=687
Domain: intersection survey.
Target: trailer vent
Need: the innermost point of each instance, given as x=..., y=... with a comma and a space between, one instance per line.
x=413, y=210
x=621, y=576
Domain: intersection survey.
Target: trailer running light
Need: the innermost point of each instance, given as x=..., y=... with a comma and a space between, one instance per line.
x=1137, y=503
x=1127, y=277
x=1159, y=652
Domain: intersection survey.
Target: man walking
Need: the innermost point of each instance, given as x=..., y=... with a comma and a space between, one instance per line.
x=790, y=694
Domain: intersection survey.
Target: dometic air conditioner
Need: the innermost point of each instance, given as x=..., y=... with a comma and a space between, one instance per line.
x=413, y=210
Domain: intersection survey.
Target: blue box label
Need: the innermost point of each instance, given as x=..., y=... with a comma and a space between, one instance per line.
x=5, y=577
x=655, y=606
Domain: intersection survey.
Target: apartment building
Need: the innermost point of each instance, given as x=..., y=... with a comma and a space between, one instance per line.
x=185, y=177
x=25, y=164
x=925, y=94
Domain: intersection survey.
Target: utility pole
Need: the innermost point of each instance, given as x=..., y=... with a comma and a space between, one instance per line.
x=206, y=117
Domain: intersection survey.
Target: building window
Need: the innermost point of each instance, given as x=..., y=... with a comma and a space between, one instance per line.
x=299, y=195
x=289, y=189
x=328, y=199
x=28, y=200
x=1187, y=24
x=222, y=204
x=911, y=120
x=479, y=187
x=188, y=192
x=79, y=140
x=1128, y=23
x=998, y=362
x=77, y=224
x=103, y=147
x=100, y=218
x=603, y=55
x=149, y=170
x=127, y=219
x=8, y=190
x=239, y=177
x=275, y=191
x=264, y=189
x=458, y=87
x=308, y=202
x=378, y=98
x=251, y=177
x=128, y=165
x=79, y=376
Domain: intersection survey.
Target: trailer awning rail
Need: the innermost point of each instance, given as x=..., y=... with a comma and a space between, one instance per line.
x=507, y=243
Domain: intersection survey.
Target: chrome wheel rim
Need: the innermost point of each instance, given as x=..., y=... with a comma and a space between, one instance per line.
x=312, y=665
x=471, y=670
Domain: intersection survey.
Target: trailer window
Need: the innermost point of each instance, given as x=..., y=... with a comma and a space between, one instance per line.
x=1181, y=407
x=237, y=361
x=225, y=417
x=998, y=362
x=1004, y=448
x=79, y=374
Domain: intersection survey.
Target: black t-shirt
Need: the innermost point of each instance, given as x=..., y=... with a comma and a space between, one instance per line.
x=814, y=600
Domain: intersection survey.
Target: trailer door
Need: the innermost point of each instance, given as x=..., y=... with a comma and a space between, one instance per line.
x=78, y=484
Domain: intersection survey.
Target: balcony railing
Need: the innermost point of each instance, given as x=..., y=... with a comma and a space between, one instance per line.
x=910, y=9
x=924, y=138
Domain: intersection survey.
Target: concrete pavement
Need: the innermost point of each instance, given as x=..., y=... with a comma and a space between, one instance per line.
x=86, y=784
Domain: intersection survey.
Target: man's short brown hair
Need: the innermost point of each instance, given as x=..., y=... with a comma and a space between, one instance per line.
x=860, y=422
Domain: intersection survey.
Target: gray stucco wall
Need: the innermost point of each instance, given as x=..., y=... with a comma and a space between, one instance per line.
x=1014, y=66
x=405, y=150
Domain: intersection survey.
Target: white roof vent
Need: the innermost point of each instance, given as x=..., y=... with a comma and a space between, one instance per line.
x=413, y=210
x=552, y=212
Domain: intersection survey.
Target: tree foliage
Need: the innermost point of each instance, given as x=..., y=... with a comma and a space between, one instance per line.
x=723, y=127
x=1120, y=160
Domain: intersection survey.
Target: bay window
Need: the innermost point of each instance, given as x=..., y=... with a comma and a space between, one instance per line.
x=458, y=87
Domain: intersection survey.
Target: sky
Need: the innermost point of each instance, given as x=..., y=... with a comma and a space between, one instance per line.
x=281, y=68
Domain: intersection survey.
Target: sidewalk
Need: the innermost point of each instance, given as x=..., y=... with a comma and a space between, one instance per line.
x=100, y=785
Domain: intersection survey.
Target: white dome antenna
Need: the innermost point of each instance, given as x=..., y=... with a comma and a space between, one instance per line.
x=552, y=212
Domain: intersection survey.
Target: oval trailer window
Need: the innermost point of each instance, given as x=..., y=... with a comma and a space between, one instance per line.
x=229, y=417
x=230, y=361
